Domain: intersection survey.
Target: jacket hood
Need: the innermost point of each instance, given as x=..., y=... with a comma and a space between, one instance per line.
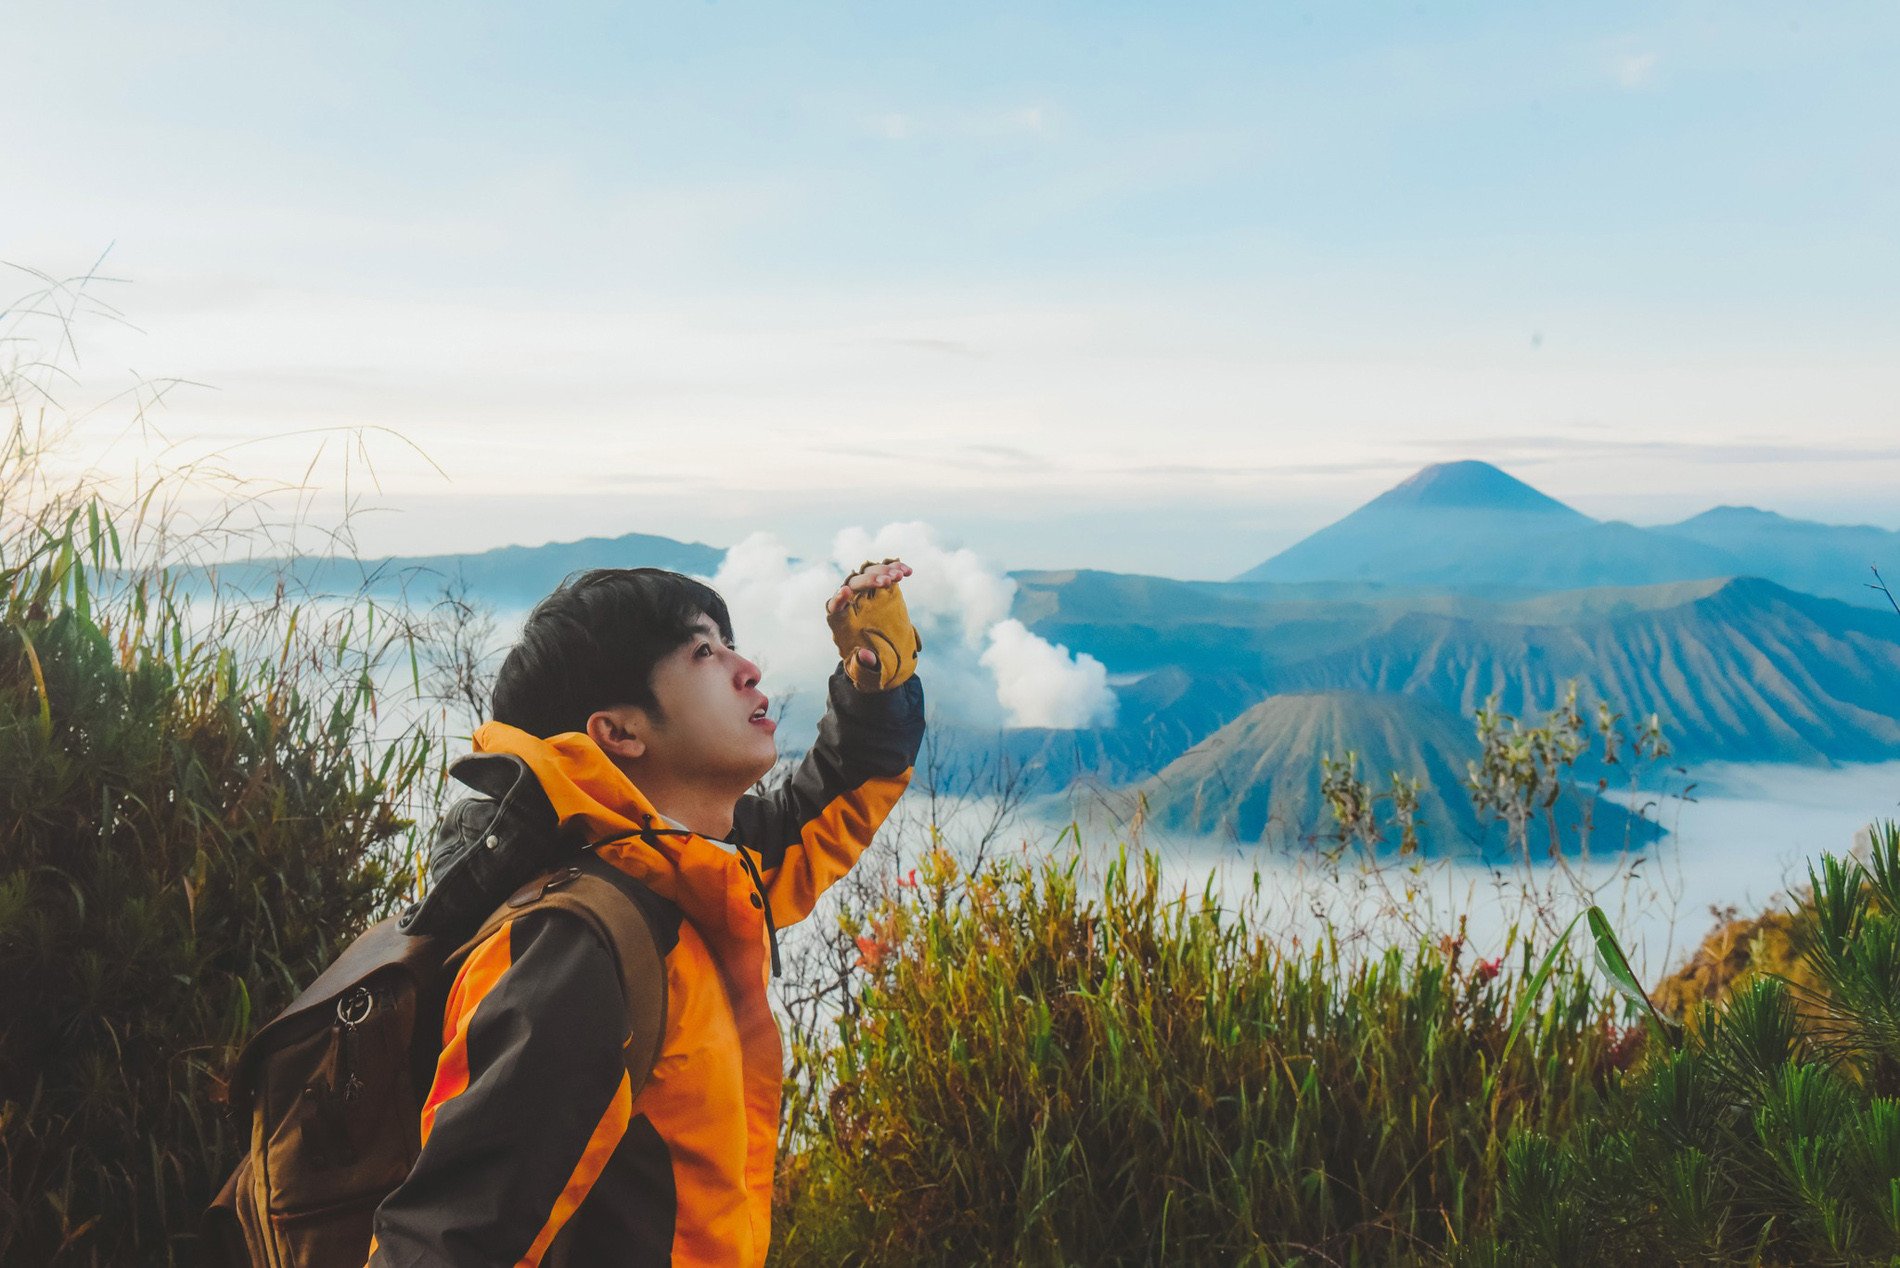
x=597, y=806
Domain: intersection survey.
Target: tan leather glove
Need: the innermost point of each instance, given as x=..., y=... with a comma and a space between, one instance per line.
x=878, y=620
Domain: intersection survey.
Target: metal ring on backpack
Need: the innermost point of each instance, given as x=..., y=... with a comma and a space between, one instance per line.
x=354, y=1009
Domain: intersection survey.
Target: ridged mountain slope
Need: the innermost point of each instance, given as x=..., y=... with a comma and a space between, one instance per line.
x=1742, y=671
x=1258, y=778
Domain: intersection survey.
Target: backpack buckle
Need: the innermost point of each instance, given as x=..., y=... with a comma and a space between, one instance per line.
x=535, y=889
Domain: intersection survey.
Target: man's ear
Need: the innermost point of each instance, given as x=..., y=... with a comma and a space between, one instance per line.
x=620, y=731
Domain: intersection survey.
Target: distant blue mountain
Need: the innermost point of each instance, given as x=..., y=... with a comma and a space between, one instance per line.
x=1468, y=525
x=1835, y=560
x=1472, y=486
x=1738, y=669
x=507, y=577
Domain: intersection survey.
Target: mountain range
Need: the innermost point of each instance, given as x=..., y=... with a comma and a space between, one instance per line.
x=508, y=577
x=1751, y=636
x=1468, y=525
x=1739, y=669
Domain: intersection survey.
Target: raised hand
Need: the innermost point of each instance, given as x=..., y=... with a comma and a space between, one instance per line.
x=871, y=626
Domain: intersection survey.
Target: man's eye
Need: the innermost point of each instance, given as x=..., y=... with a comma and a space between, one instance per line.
x=705, y=649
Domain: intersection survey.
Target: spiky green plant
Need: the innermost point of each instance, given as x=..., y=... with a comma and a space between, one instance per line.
x=1769, y=1134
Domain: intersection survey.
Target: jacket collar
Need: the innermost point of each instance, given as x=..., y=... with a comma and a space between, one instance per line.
x=594, y=800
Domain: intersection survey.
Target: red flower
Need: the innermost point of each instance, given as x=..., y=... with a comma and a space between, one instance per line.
x=1487, y=969
x=908, y=881
x=870, y=951
x=1623, y=1045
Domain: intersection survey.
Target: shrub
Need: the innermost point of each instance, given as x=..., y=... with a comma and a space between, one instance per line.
x=1034, y=1075
x=1769, y=1133
x=184, y=841
x=195, y=815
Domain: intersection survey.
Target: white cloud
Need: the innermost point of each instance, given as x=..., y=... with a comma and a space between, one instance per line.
x=775, y=602
x=1044, y=684
x=980, y=667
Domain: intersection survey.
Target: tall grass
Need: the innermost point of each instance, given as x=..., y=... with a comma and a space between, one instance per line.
x=1042, y=1071
x=198, y=808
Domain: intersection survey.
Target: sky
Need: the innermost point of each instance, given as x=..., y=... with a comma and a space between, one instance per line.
x=1155, y=288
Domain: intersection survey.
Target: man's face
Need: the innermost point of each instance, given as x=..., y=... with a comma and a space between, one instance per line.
x=712, y=724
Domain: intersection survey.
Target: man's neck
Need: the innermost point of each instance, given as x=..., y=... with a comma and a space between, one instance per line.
x=708, y=821
x=694, y=807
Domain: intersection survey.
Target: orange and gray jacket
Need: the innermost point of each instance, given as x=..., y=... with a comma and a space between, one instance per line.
x=539, y=1143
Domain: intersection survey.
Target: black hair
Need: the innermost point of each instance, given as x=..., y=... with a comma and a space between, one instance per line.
x=593, y=643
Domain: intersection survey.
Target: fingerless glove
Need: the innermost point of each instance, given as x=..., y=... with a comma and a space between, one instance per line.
x=879, y=620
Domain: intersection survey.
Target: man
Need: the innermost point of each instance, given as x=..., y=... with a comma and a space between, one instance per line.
x=542, y=1142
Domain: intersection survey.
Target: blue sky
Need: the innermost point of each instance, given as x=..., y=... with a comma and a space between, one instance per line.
x=1146, y=287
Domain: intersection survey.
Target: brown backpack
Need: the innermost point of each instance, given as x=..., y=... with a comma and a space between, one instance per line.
x=334, y=1085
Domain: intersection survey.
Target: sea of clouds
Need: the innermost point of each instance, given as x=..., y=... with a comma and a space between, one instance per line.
x=981, y=667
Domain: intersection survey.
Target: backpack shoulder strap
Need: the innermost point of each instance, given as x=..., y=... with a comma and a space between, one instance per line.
x=638, y=926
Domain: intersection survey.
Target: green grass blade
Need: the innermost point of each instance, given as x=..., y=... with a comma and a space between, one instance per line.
x=1616, y=967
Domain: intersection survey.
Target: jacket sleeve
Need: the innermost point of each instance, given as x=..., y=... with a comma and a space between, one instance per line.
x=809, y=831
x=531, y=1097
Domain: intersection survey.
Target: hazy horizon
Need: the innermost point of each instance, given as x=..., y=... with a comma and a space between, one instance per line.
x=811, y=533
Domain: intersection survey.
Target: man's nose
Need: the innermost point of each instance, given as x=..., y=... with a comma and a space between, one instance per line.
x=748, y=673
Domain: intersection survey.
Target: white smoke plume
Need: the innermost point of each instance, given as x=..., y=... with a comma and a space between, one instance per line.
x=980, y=667
x=1043, y=684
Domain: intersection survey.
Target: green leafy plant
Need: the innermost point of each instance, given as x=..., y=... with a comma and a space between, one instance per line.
x=199, y=806
x=1770, y=1133
x=1038, y=1069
